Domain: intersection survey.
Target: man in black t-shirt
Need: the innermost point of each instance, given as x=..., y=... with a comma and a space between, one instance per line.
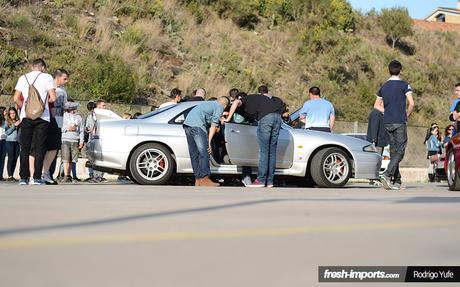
x=267, y=110
x=391, y=100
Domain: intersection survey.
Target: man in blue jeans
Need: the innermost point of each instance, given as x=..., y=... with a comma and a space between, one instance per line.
x=267, y=110
x=391, y=100
x=203, y=117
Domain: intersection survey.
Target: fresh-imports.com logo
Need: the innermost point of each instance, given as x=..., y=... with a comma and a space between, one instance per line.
x=361, y=275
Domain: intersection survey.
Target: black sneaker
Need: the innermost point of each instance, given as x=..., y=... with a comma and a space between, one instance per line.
x=76, y=179
x=67, y=179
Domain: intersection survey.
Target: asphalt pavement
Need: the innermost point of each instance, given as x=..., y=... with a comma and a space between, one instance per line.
x=129, y=235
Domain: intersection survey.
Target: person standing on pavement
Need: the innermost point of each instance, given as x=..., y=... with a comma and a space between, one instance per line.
x=267, y=110
x=395, y=100
x=376, y=131
x=377, y=134
x=317, y=113
x=202, y=118
x=12, y=148
x=34, y=130
x=72, y=137
x=2, y=141
x=54, y=141
x=455, y=109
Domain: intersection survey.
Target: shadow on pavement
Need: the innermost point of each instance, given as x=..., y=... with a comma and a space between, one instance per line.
x=123, y=219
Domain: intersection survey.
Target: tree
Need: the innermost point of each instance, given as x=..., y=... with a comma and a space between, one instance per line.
x=396, y=23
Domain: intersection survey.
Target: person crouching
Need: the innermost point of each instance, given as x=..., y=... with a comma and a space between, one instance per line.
x=201, y=118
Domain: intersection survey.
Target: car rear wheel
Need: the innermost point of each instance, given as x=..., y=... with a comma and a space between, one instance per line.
x=151, y=164
x=331, y=168
x=453, y=178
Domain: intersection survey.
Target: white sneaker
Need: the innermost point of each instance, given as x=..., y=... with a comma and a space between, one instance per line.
x=47, y=178
x=31, y=180
x=246, y=181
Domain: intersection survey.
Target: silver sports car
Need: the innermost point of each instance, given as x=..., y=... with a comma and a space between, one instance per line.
x=153, y=148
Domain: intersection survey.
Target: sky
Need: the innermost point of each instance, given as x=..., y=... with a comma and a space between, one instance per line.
x=418, y=9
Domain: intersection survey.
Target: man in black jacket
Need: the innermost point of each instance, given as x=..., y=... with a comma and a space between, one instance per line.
x=376, y=132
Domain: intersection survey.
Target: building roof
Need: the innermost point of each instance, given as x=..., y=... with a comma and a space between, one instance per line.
x=444, y=10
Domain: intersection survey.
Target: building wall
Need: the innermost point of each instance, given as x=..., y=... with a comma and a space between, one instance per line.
x=452, y=19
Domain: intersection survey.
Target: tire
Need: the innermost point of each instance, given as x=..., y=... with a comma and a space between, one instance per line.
x=453, y=178
x=151, y=164
x=331, y=168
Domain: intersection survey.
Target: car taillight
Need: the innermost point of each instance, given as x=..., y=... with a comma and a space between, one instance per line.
x=386, y=157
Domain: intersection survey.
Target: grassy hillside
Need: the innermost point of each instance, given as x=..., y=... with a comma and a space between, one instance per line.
x=136, y=51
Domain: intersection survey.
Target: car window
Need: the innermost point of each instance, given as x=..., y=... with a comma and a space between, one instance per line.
x=180, y=118
x=155, y=112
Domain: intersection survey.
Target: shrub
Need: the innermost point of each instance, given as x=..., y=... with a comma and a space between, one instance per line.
x=103, y=76
x=138, y=9
x=396, y=23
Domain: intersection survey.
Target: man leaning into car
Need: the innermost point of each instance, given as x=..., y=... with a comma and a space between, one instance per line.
x=201, y=118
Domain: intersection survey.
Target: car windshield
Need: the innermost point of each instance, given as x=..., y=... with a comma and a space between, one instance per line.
x=155, y=112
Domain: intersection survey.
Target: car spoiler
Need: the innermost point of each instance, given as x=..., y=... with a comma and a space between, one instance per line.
x=103, y=114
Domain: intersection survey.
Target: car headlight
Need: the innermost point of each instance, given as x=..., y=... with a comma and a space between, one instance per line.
x=370, y=148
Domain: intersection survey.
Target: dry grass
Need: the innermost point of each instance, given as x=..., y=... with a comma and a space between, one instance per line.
x=84, y=25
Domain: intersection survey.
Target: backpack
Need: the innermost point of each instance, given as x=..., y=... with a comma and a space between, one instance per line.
x=34, y=106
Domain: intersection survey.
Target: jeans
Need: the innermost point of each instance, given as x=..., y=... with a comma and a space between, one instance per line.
x=268, y=131
x=12, y=150
x=197, y=140
x=36, y=132
x=2, y=156
x=398, y=142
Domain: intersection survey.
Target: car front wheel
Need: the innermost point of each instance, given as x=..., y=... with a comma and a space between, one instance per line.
x=331, y=168
x=151, y=164
x=453, y=178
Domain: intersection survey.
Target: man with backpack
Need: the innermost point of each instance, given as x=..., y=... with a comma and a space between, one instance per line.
x=33, y=93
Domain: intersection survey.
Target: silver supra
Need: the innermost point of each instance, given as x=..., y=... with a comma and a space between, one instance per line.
x=153, y=148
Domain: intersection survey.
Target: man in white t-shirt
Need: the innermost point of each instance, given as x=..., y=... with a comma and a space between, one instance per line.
x=34, y=132
x=175, y=97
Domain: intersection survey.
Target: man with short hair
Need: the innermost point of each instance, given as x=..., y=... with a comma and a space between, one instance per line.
x=455, y=109
x=34, y=131
x=175, y=97
x=202, y=118
x=317, y=113
x=392, y=100
x=267, y=110
x=53, y=142
x=198, y=95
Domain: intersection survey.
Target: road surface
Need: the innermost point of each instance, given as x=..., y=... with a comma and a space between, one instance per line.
x=129, y=235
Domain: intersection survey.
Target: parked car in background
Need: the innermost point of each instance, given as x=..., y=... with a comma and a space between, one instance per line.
x=385, y=155
x=452, y=163
x=152, y=148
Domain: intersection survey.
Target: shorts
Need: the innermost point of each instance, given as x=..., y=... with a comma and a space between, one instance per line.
x=53, y=141
x=69, y=151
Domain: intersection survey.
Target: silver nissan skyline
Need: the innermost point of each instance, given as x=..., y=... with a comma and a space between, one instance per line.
x=153, y=148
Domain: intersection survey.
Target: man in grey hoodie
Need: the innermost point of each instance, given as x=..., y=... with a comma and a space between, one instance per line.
x=72, y=137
